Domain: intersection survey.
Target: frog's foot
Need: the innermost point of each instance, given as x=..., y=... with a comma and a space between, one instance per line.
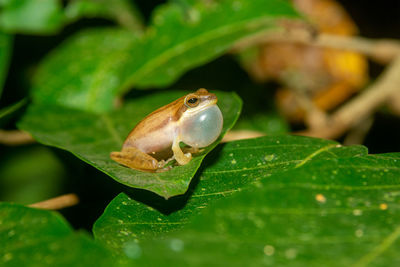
x=185, y=159
x=164, y=169
x=135, y=159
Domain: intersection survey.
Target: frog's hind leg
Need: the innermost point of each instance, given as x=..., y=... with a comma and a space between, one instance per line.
x=135, y=159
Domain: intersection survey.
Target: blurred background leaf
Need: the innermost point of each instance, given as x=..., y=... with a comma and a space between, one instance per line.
x=5, y=54
x=30, y=174
x=91, y=82
x=124, y=12
x=267, y=123
x=75, y=75
x=31, y=16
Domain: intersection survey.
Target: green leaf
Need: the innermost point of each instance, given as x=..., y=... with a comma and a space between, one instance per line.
x=92, y=137
x=30, y=174
x=269, y=123
x=5, y=54
x=342, y=207
x=239, y=165
x=338, y=212
x=123, y=11
x=32, y=237
x=206, y=30
x=88, y=81
x=31, y=16
x=178, y=40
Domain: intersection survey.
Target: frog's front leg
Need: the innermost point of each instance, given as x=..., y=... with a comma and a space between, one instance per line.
x=180, y=157
x=135, y=159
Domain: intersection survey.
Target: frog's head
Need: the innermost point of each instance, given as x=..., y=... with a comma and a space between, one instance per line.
x=199, y=100
x=201, y=122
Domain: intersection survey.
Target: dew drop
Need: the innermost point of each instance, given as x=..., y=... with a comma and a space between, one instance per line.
x=357, y=212
x=291, y=253
x=123, y=232
x=236, y=5
x=7, y=257
x=158, y=20
x=359, y=233
x=320, y=198
x=132, y=250
x=269, y=250
x=194, y=15
x=176, y=245
x=269, y=157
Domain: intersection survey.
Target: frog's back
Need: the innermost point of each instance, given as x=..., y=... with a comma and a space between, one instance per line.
x=157, y=130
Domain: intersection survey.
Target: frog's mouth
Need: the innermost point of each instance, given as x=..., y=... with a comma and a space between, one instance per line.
x=210, y=102
x=212, y=98
x=192, y=112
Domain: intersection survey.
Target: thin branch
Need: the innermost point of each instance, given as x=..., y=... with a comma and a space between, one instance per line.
x=362, y=106
x=57, y=203
x=240, y=134
x=382, y=50
x=394, y=103
x=15, y=138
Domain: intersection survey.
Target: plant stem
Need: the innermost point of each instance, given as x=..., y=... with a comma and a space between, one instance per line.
x=57, y=203
x=15, y=137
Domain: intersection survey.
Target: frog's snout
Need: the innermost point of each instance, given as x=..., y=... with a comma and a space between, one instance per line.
x=210, y=98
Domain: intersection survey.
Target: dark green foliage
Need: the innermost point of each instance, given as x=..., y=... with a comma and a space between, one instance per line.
x=32, y=237
x=278, y=200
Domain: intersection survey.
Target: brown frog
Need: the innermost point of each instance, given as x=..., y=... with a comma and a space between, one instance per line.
x=193, y=119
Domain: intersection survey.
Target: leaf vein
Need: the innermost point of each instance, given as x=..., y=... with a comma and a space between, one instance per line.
x=111, y=129
x=315, y=153
x=378, y=250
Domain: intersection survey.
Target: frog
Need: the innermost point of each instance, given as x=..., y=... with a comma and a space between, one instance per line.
x=194, y=120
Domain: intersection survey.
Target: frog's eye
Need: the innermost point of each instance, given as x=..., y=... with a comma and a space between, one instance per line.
x=192, y=102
